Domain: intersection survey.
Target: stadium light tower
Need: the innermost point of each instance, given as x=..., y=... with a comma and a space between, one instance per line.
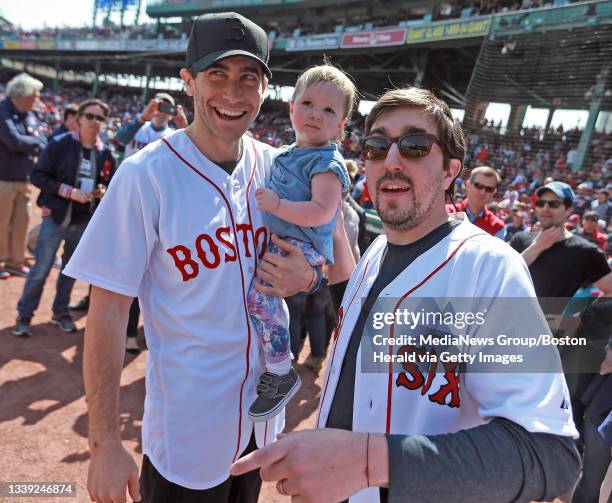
x=110, y=6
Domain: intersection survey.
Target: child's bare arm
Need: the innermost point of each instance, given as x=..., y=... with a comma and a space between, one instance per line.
x=326, y=194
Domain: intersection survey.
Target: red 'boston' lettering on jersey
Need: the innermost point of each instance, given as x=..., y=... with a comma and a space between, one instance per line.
x=245, y=230
x=263, y=233
x=202, y=253
x=213, y=250
x=182, y=263
x=221, y=234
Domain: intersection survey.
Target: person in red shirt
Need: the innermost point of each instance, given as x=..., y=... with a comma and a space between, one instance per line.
x=480, y=188
x=483, y=153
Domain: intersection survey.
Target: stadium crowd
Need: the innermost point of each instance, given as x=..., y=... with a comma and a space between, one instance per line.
x=524, y=159
x=507, y=188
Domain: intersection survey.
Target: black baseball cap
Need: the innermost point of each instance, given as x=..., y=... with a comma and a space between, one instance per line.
x=217, y=36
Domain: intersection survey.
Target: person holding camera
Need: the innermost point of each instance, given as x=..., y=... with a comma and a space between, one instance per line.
x=151, y=124
x=72, y=174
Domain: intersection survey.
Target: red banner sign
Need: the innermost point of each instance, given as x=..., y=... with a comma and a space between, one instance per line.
x=394, y=36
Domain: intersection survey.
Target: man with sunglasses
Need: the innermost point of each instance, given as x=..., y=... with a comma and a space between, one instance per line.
x=480, y=188
x=393, y=434
x=559, y=261
x=72, y=174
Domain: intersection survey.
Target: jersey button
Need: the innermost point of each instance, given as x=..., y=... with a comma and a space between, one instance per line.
x=250, y=269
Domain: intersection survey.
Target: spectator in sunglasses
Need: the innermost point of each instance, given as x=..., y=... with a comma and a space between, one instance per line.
x=591, y=231
x=72, y=174
x=554, y=248
x=480, y=189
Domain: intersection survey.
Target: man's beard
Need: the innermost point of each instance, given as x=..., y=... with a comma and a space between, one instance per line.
x=405, y=220
x=550, y=223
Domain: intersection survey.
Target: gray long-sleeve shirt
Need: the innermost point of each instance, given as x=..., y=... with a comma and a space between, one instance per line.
x=498, y=462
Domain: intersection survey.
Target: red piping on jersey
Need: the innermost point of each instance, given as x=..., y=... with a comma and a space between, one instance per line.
x=336, y=339
x=248, y=205
x=392, y=326
x=246, y=314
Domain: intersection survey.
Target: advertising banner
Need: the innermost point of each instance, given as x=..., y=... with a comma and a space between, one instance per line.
x=314, y=42
x=67, y=45
x=87, y=45
x=448, y=30
x=113, y=45
x=381, y=38
x=45, y=44
x=12, y=44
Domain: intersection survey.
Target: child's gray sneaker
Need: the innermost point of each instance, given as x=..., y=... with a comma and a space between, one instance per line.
x=274, y=391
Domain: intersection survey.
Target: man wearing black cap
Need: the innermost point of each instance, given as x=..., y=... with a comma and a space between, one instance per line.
x=179, y=229
x=559, y=261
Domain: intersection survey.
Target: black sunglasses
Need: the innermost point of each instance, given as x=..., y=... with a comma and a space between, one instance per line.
x=486, y=188
x=540, y=203
x=90, y=117
x=411, y=146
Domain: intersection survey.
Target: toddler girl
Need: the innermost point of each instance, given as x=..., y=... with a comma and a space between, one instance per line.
x=301, y=204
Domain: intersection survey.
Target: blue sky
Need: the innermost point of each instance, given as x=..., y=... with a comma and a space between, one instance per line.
x=33, y=14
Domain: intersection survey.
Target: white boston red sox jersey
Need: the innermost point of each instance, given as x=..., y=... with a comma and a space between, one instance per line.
x=145, y=135
x=180, y=233
x=468, y=263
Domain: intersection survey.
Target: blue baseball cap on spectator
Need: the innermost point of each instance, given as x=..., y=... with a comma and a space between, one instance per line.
x=559, y=189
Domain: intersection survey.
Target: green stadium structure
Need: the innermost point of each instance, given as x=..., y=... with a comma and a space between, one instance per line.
x=555, y=59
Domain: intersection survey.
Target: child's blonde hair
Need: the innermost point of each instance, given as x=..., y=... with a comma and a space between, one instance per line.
x=329, y=74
